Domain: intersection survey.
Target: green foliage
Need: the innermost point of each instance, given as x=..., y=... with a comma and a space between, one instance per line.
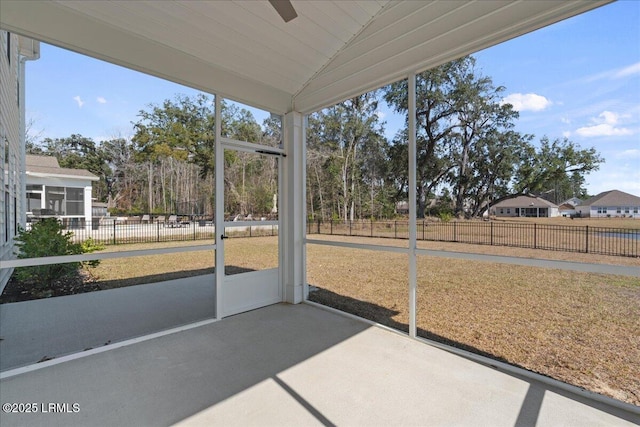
x=556, y=169
x=445, y=216
x=183, y=129
x=47, y=238
x=88, y=246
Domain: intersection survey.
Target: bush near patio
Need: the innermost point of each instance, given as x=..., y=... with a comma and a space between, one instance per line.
x=48, y=238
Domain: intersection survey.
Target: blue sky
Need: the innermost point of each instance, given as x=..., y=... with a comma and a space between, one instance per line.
x=578, y=79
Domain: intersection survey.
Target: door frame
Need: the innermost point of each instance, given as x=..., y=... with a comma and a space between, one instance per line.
x=228, y=303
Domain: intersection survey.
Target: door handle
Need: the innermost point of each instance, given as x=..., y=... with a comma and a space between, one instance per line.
x=222, y=237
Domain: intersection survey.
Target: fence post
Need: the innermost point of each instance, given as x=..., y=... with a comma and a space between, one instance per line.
x=114, y=231
x=455, y=231
x=423, y=229
x=158, y=230
x=331, y=228
x=535, y=235
x=318, y=225
x=349, y=227
x=250, y=231
x=194, y=230
x=395, y=229
x=586, y=239
x=371, y=227
x=491, y=224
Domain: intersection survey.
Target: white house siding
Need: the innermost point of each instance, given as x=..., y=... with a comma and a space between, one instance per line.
x=9, y=146
x=11, y=142
x=609, y=211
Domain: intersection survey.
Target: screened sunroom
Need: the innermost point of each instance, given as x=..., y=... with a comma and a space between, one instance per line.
x=238, y=342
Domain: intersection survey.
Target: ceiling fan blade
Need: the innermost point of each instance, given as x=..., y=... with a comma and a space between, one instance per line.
x=284, y=9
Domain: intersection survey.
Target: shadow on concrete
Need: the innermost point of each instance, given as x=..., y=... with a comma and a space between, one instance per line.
x=169, y=379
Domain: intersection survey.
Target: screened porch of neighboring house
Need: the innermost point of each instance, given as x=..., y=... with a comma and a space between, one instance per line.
x=52, y=191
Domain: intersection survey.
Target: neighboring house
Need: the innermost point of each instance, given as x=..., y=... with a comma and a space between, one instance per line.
x=611, y=204
x=574, y=201
x=61, y=192
x=15, y=50
x=567, y=210
x=568, y=207
x=525, y=206
x=402, y=208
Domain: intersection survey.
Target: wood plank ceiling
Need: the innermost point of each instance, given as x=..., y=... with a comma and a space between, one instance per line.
x=244, y=51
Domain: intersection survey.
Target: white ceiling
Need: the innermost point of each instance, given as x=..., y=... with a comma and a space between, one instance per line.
x=244, y=51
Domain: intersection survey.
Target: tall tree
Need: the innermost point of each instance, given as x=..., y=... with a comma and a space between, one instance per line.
x=556, y=169
x=341, y=134
x=438, y=98
x=483, y=124
x=166, y=139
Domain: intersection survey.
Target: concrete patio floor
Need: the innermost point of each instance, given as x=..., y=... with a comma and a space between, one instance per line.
x=292, y=365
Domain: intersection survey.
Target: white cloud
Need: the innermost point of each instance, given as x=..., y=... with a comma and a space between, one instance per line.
x=79, y=101
x=603, y=129
x=527, y=101
x=608, y=117
x=632, y=153
x=565, y=120
x=605, y=125
x=101, y=100
x=628, y=71
x=566, y=134
x=617, y=73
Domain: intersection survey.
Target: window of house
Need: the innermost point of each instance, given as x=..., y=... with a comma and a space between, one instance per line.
x=618, y=209
x=54, y=201
x=501, y=210
x=627, y=209
x=34, y=202
x=6, y=217
x=635, y=209
x=508, y=210
x=75, y=201
x=34, y=199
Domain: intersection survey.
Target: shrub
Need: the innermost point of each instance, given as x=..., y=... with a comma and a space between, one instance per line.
x=445, y=216
x=47, y=238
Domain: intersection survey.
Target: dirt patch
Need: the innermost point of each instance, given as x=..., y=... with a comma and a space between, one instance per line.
x=16, y=291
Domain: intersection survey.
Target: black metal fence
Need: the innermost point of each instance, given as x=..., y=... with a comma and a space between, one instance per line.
x=117, y=231
x=569, y=238
x=586, y=239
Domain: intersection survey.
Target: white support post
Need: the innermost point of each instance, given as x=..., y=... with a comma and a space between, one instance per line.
x=413, y=226
x=219, y=207
x=293, y=204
